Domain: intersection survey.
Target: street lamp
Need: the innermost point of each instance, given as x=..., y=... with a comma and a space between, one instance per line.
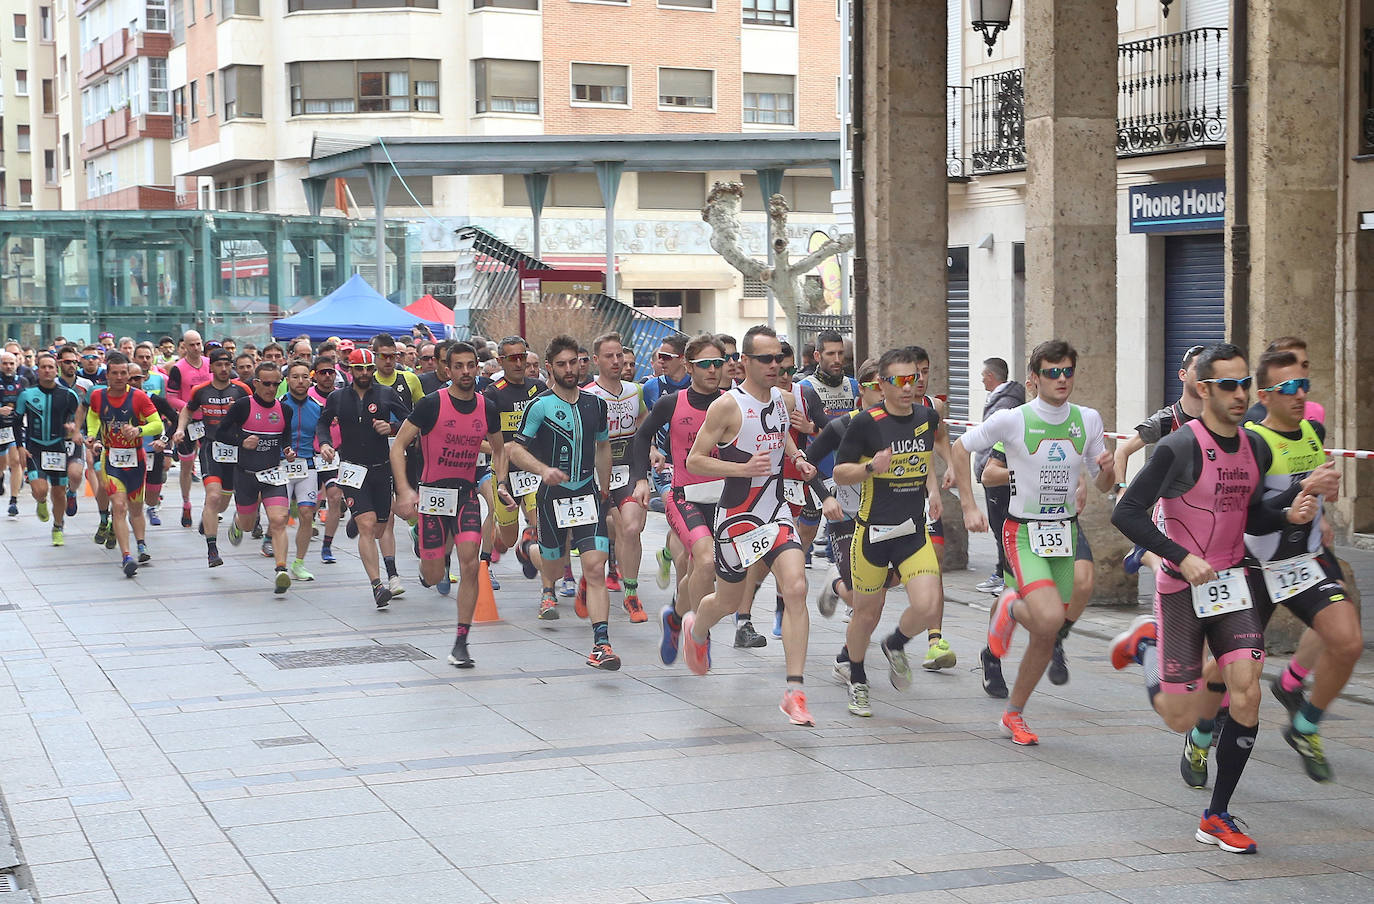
x=990, y=17
x=1165, y=4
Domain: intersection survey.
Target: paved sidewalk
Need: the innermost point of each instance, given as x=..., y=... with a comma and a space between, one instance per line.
x=161, y=740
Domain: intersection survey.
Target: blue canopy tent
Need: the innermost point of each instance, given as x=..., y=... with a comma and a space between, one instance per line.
x=353, y=311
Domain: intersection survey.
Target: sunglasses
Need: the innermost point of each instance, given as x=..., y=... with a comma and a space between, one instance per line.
x=667, y=356
x=426, y=357
x=135, y=379
x=1054, y=373
x=326, y=370
x=273, y=383
x=90, y=357
x=583, y=359
x=869, y=384
x=768, y=359
x=359, y=368
x=1227, y=384
x=787, y=371
x=520, y=357
x=386, y=354
x=1290, y=387
x=708, y=363
x=732, y=356
x=900, y=380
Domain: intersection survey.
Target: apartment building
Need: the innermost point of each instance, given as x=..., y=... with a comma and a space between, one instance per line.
x=30, y=90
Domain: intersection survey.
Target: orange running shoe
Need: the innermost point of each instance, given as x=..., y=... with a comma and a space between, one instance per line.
x=794, y=706
x=1003, y=625
x=636, y=610
x=696, y=655
x=1222, y=830
x=1125, y=645
x=580, y=601
x=602, y=657
x=1014, y=726
x=613, y=580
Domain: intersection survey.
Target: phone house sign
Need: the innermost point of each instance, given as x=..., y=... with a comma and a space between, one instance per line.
x=1197, y=206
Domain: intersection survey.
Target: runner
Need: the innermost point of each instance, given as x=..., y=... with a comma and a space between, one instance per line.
x=155, y=447
x=364, y=413
x=451, y=426
x=302, y=479
x=198, y=421
x=691, y=503
x=49, y=413
x=11, y=385
x=743, y=440
x=1003, y=393
x=188, y=372
x=323, y=377
x=68, y=360
x=938, y=652
x=674, y=377
x=1207, y=480
x=511, y=393
x=118, y=418
x=564, y=439
x=1048, y=441
x=259, y=425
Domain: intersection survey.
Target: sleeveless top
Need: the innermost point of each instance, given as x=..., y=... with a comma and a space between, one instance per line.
x=1291, y=460
x=267, y=423
x=622, y=412
x=747, y=502
x=451, y=447
x=682, y=431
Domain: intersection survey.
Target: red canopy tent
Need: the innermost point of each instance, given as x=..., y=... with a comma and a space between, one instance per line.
x=427, y=307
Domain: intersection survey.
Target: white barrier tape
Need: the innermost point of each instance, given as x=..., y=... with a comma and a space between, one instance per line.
x=975, y=424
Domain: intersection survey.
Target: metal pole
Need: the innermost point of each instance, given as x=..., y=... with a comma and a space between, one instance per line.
x=860, y=264
x=1239, y=138
x=608, y=179
x=846, y=163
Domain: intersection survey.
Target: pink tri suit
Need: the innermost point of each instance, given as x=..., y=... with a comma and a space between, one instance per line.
x=451, y=435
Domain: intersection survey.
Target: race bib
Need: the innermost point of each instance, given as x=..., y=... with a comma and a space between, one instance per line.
x=6, y=435
x=707, y=493
x=575, y=511
x=274, y=476
x=195, y=430
x=794, y=492
x=1289, y=577
x=122, y=458
x=295, y=470
x=438, y=501
x=52, y=461
x=351, y=475
x=755, y=544
x=332, y=466
x=877, y=533
x=224, y=453
x=620, y=476
x=522, y=483
x=70, y=447
x=1228, y=593
x=482, y=459
x=1051, y=539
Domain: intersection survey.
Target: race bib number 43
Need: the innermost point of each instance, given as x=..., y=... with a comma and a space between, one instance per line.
x=575, y=511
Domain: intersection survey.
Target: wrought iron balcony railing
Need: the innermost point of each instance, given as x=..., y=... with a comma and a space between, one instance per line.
x=1367, y=92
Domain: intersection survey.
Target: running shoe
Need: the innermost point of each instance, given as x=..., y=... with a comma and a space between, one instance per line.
x=793, y=706
x=395, y=586
x=266, y=548
x=604, y=658
x=1224, y=830
x=697, y=655
x=14, y=507
x=213, y=559
x=42, y=510
x=130, y=566
x=568, y=587
x=58, y=538
x=747, y=637
x=1059, y=664
x=672, y=637
x=445, y=585
x=548, y=606
x=899, y=669
x=351, y=529
x=840, y=670
x=848, y=614
x=635, y=609
x=381, y=595
x=1125, y=647
x=102, y=533
x=665, y=568
x=1193, y=764
x=257, y=530
x=1014, y=726
x=828, y=599
x=777, y=623
x=235, y=533
x=939, y=656
x=522, y=555
x=153, y=517
x=458, y=656
x=1309, y=747
x=1291, y=700
x=994, y=685
x=1003, y=626
x=185, y=514
x=613, y=580
x=281, y=581
x=71, y=504
x=415, y=539
x=993, y=584
x=580, y=599
x=1132, y=561
x=1223, y=716
x=327, y=555
x=298, y=572
x=808, y=558
x=858, y=700
x=495, y=584
x=110, y=540
x=144, y=556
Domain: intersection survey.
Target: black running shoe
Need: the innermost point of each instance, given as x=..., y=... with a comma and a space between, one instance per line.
x=458, y=656
x=746, y=636
x=1059, y=665
x=1291, y=700
x=381, y=595
x=213, y=559
x=994, y=685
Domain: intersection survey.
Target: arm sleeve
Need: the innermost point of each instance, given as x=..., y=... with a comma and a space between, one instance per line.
x=854, y=446
x=828, y=441
x=658, y=417
x=1134, y=513
x=603, y=426
x=425, y=414
x=997, y=428
x=327, y=416
x=152, y=420
x=815, y=409
x=93, y=415
x=1153, y=429
x=230, y=431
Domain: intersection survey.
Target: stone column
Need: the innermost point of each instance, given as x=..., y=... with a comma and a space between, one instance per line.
x=1070, y=54
x=907, y=197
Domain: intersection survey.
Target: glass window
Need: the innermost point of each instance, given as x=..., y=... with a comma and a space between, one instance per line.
x=195, y=101
x=365, y=86
x=25, y=191
x=178, y=19
x=689, y=4
x=768, y=12
x=672, y=191
x=157, y=85
x=506, y=4
x=156, y=15
x=242, y=86
x=179, y=113
x=21, y=82
x=239, y=8
x=506, y=86
x=260, y=191
x=49, y=96
x=806, y=194
x=689, y=88
x=23, y=135
x=769, y=99
x=21, y=27
x=62, y=77
x=322, y=87
x=574, y=190
x=296, y=6
x=595, y=83
x=66, y=152
x=45, y=23
x=50, y=167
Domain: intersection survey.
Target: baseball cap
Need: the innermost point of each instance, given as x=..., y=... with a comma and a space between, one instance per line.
x=219, y=354
x=361, y=357
x=106, y=336
x=345, y=345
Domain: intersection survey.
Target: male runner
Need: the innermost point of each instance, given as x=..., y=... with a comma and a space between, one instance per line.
x=511, y=393
x=68, y=361
x=563, y=437
x=1208, y=483
x=743, y=440
x=49, y=414
x=11, y=385
x=451, y=426
x=155, y=448
x=838, y=394
x=324, y=376
x=198, y=421
x=118, y=419
x=407, y=386
x=1003, y=392
x=1049, y=441
x=625, y=410
x=188, y=372
x=691, y=502
x=674, y=377
x=302, y=481
x=364, y=412
x=938, y=652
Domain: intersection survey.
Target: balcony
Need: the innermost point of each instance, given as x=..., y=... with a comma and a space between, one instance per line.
x=120, y=48
x=1171, y=96
x=121, y=127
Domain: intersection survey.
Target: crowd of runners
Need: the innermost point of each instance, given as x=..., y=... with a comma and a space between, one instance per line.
x=484, y=448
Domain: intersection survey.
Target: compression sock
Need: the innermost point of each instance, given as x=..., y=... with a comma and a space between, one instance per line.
x=1064, y=629
x=1148, y=654
x=897, y=640
x=745, y=616
x=631, y=585
x=601, y=632
x=843, y=655
x=463, y=631
x=1291, y=679
x=328, y=540
x=104, y=517
x=390, y=563
x=1202, y=732
x=1306, y=719
x=857, y=673
x=933, y=637
x=778, y=605
x=212, y=544
x=1233, y=752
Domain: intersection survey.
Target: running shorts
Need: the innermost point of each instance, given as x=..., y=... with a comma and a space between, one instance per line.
x=1305, y=605
x=36, y=471
x=373, y=496
x=555, y=541
x=212, y=471
x=1181, y=634
x=691, y=521
x=128, y=481
x=436, y=532
x=248, y=491
x=912, y=555
x=729, y=567
x=1029, y=572
x=304, y=490
x=1082, y=552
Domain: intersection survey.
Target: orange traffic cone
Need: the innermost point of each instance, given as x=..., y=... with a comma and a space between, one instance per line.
x=486, y=600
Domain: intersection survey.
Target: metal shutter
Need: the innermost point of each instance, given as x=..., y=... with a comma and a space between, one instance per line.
x=1206, y=13
x=957, y=334
x=1194, y=300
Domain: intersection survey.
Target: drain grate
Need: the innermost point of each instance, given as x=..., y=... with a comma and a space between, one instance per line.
x=285, y=742
x=367, y=655
x=7, y=884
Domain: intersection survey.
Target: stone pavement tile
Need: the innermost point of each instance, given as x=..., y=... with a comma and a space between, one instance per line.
x=448, y=886
x=130, y=854
x=90, y=897
x=1198, y=856
x=701, y=891
x=1035, y=890
x=858, y=869
x=350, y=862
x=57, y=848
x=1085, y=868
x=860, y=755
x=311, y=834
x=775, y=851
x=938, y=863
x=805, y=894
x=69, y=877
x=974, y=776
x=459, y=792
x=1086, y=797
x=488, y=845
x=256, y=811
x=1151, y=878
x=1051, y=828
x=245, y=888
x=207, y=861
x=539, y=764
x=1269, y=868
x=915, y=897
x=152, y=885
x=557, y=876
x=1362, y=863
x=1335, y=889
x=564, y=809
x=673, y=797
x=773, y=762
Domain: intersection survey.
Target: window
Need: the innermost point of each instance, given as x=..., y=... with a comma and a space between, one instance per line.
x=49, y=96
x=21, y=82
x=768, y=12
x=689, y=4
x=156, y=15
x=195, y=101
x=239, y=8
x=64, y=85
x=688, y=300
x=805, y=194
x=50, y=167
x=205, y=198
x=506, y=86
x=23, y=135
x=66, y=152
x=242, y=92
x=178, y=16
x=768, y=99
x=396, y=194
x=363, y=86
x=565, y=190
x=178, y=112
x=157, y=85
x=672, y=191
x=25, y=191
x=21, y=27
x=689, y=88
x=209, y=8
x=45, y=23
x=595, y=83
x=210, y=107
x=506, y=4
x=295, y=6
x=260, y=191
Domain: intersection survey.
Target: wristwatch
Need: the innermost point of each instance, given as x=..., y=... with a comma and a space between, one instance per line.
x=868, y=467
